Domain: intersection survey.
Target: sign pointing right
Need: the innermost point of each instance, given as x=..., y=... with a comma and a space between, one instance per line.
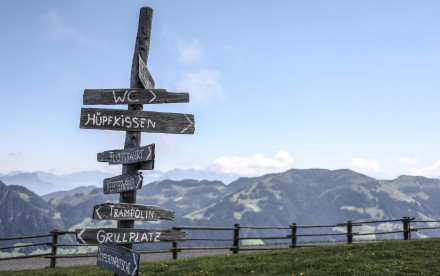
x=130, y=120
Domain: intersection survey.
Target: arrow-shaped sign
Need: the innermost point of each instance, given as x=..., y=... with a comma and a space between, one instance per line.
x=127, y=156
x=144, y=75
x=118, y=259
x=122, y=183
x=132, y=96
x=128, y=211
x=128, y=235
x=130, y=120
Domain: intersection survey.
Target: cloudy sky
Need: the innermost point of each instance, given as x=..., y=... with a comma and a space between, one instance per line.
x=273, y=84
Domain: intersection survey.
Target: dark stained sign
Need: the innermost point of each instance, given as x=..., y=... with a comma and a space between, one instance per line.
x=128, y=235
x=144, y=75
x=118, y=259
x=123, y=183
x=132, y=96
x=128, y=211
x=127, y=156
x=130, y=120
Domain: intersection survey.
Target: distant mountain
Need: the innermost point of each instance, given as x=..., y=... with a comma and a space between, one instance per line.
x=23, y=213
x=311, y=197
x=62, y=194
x=31, y=181
x=180, y=174
x=43, y=183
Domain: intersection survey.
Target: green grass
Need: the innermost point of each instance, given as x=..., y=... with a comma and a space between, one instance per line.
x=416, y=257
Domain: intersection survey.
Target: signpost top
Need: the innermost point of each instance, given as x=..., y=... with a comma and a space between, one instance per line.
x=132, y=96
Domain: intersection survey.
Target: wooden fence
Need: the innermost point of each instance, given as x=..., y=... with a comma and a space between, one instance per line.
x=296, y=232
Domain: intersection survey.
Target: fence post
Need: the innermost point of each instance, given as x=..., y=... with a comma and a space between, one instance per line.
x=349, y=232
x=174, y=250
x=293, y=235
x=53, y=259
x=236, y=238
x=406, y=231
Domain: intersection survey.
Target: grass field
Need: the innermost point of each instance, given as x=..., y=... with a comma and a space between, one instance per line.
x=416, y=257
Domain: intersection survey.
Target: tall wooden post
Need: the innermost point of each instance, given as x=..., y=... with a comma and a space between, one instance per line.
x=133, y=139
x=349, y=232
x=236, y=242
x=406, y=232
x=53, y=254
x=293, y=227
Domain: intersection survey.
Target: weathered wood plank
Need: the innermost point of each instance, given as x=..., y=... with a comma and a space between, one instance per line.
x=123, y=183
x=118, y=259
x=128, y=156
x=137, y=121
x=128, y=235
x=127, y=211
x=144, y=74
x=133, y=138
x=132, y=96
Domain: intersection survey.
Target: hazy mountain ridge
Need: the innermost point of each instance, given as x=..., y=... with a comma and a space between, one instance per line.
x=313, y=196
x=44, y=183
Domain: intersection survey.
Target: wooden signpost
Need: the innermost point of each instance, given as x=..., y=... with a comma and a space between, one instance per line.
x=122, y=211
x=123, y=183
x=118, y=259
x=127, y=156
x=132, y=96
x=144, y=74
x=142, y=121
x=115, y=244
x=127, y=235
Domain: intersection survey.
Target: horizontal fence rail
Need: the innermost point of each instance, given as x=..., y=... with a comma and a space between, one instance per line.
x=235, y=239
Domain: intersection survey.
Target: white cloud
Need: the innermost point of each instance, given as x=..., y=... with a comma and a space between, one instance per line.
x=407, y=160
x=190, y=52
x=429, y=171
x=14, y=154
x=365, y=165
x=58, y=29
x=203, y=85
x=250, y=166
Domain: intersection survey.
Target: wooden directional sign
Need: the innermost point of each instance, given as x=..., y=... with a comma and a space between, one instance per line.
x=144, y=75
x=130, y=120
x=126, y=211
x=132, y=96
x=118, y=259
x=128, y=235
x=123, y=183
x=127, y=156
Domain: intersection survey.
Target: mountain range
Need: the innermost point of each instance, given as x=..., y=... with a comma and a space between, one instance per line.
x=43, y=183
x=306, y=197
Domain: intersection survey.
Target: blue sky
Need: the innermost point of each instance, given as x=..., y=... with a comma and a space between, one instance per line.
x=273, y=84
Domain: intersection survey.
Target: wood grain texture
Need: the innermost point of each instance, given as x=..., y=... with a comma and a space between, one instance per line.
x=127, y=211
x=144, y=74
x=133, y=138
x=128, y=156
x=118, y=259
x=137, y=121
x=128, y=235
x=123, y=183
x=132, y=96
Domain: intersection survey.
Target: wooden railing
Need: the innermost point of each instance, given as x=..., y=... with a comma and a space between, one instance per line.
x=295, y=232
